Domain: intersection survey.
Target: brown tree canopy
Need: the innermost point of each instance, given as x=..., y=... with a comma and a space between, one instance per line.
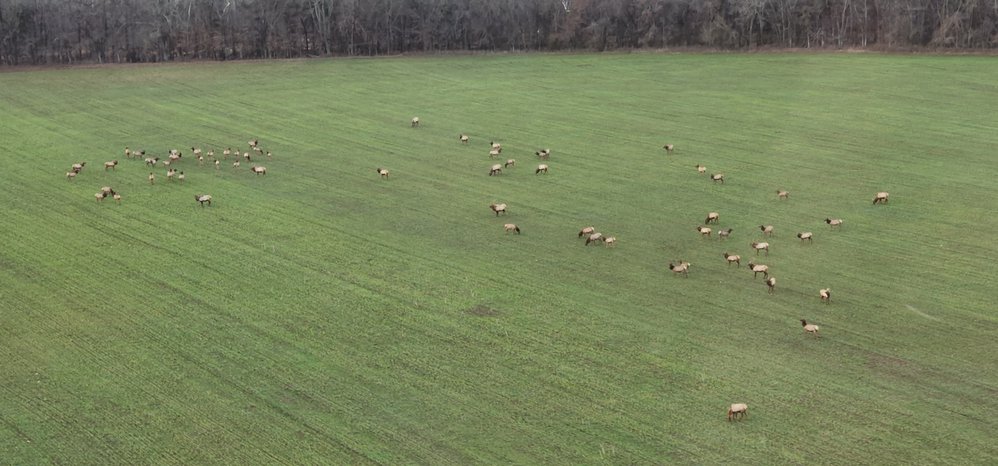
x=72, y=31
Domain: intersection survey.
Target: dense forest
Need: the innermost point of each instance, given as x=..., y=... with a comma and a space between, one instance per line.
x=100, y=31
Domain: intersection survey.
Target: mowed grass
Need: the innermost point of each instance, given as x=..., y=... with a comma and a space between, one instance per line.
x=320, y=314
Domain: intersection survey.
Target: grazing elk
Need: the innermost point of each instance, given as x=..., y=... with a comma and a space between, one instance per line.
x=587, y=231
x=712, y=217
x=682, y=268
x=542, y=168
x=810, y=328
x=834, y=222
x=593, y=238
x=771, y=283
x=544, y=153
x=495, y=170
x=805, y=236
x=498, y=208
x=825, y=294
x=715, y=177
x=881, y=198
x=733, y=258
x=259, y=169
x=757, y=269
x=203, y=198
x=610, y=241
x=509, y=163
x=737, y=411
x=704, y=231
x=781, y=194
x=415, y=122
x=511, y=227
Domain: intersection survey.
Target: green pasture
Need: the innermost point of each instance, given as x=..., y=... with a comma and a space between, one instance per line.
x=323, y=315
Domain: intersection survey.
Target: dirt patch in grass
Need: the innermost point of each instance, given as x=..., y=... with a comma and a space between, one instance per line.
x=482, y=311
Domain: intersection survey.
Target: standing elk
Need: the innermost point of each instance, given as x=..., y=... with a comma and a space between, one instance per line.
x=715, y=177
x=669, y=148
x=771, y=283
x=383, y=172
x=724, y=234
x=704, y=231
x=805, y=235
x=781, y=194
x=463, y=138
x=111, y=165
x=759, y=246
x=259, y=169
x=701, y=169
x=767, y=230
x=682, y=268
x=834, y=222
x=544, y=153
x=825, y=294
x=757, y=269
x=415, y=122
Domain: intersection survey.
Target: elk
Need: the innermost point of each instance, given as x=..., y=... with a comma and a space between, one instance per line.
x=834, y=222
x=781, y=194
x=541, y=168
x=511, y=227
x=881, y=198
x=181, y=177
x=595, y=237
x=78, y=167
x=415, y=122
x=128, y=153
x=737, y=411
x=767, y=230
x=683, y=268
x=712, y=217
x=609, y=241
x=498, y=208
x=757, y=269
x=152, y=178
x=701, y=169
x=825, y=294
x=760, y=247
x=117, y=197
x=235, y=164
x=587, y=231
x=495, y=145
x=810, y=328
x=724, y=234
x=259, y=169
x=805, y=235
x=202, y=198
x=110, y=165
x=669, y=148
x=544, y=153
x=495, y=170
x=733, y=258
x=170, y=173
x=151, y=161
x=70, y=175
x=217, y=164
x=704, y=231
x=715, y=177
x=463, y=138
x=254, y=142
x=227, y=152
x=383, y=172
x=509, y=163
x=771, y=283
x=494, y=153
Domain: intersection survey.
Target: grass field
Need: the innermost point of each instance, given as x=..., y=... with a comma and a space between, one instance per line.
x=320, y=314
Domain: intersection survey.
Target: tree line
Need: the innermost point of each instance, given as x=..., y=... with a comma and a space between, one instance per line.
x=102, y=31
